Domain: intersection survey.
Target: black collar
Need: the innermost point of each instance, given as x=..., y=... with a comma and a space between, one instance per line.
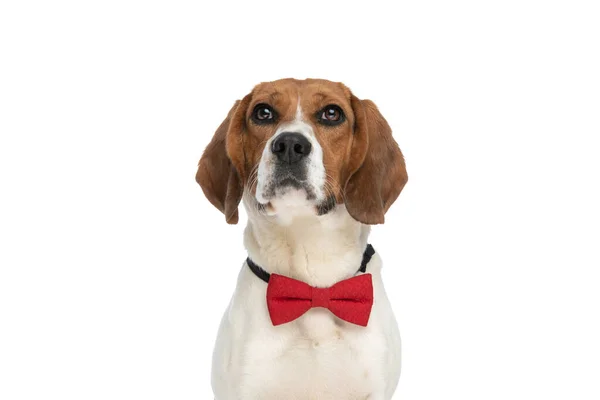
x=265, y=276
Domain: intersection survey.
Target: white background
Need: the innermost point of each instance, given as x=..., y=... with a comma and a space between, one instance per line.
x=115, y=269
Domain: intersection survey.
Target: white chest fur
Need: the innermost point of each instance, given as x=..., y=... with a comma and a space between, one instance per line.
x=317, y=356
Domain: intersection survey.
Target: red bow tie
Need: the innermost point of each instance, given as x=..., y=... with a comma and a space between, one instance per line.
x=350, y=299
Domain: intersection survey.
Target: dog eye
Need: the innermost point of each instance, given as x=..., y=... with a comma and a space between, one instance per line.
x=331, y=115
x=263, y=114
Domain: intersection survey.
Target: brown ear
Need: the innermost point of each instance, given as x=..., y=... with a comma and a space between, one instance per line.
x=376, y=184
x=219, y=179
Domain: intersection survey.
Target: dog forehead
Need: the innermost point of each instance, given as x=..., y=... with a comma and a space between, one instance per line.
x=309, y=91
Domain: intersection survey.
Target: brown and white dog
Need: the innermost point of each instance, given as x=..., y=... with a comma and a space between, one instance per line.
x=314, y=167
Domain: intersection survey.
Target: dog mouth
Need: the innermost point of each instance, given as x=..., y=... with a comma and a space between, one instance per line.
x=285, y=180
x=289, y=191
x=284, y=184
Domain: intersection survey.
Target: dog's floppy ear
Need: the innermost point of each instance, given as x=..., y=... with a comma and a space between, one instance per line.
x=220, y=179
x=379, y=170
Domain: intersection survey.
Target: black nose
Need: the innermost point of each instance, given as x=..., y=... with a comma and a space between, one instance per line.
x=291, y=147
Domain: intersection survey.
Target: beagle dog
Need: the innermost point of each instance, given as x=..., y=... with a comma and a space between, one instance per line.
x=314, y=167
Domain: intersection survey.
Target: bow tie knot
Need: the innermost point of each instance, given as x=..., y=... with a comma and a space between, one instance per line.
x=320, y=297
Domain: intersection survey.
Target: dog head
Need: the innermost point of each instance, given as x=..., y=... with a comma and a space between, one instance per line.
x=303, y=145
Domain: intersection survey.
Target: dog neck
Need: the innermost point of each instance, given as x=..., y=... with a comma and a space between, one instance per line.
x=291, y=240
